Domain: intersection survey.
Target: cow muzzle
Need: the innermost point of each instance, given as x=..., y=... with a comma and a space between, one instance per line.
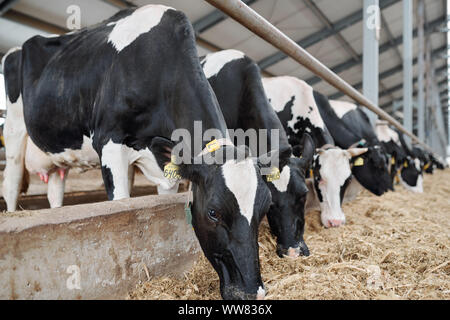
x=301, y=250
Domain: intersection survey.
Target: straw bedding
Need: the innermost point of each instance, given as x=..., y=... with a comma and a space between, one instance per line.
x=393, y=247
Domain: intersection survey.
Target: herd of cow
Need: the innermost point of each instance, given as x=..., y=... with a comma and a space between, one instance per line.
x=109, y=96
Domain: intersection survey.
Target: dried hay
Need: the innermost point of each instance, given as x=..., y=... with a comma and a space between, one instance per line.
x=393, y=247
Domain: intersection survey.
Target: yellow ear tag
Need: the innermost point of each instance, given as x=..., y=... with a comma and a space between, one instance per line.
x=274, y=174
x=393, y=160
x=405, y=164
x=425, y=167
x=359, y=162
x=311, y=173
x=213, y=146
x=171, y=170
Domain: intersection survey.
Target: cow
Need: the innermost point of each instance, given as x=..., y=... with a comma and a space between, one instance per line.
x=110, y=87
x=236, y=81
x=349, y=125
x=295, y=103
x=400, y=162
x=411, y=175
x=32, y=159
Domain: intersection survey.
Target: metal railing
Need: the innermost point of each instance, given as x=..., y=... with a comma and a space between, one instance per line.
x=250, y=19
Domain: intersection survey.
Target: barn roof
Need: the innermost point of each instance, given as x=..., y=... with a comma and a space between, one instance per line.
x=332, y=33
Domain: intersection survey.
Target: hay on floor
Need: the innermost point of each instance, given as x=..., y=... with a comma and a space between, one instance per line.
x=393, y=247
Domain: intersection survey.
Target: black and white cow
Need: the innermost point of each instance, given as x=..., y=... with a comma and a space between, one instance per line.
x=400, y=162
x=295, y=103
x=411, y=174
x=236, y=81
x=111, y=87
x=31, y=159
x=349, y=125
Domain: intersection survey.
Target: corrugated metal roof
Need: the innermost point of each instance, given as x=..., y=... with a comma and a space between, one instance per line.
x=294, y=17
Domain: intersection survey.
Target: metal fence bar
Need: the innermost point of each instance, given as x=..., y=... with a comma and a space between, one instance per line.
x=264, y=29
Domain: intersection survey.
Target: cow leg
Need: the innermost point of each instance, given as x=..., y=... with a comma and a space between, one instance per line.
x=56, y=186
x=115, y=168
x=15, y=135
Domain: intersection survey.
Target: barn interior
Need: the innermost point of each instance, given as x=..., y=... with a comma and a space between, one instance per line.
x=411, y=86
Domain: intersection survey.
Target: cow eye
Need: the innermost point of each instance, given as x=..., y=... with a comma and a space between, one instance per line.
x=212, y=215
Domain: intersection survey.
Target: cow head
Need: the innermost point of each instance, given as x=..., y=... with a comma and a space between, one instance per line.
x=287, y=213
x=229, y=200
x=371, y=170
x=332, y=174
x=411, y=175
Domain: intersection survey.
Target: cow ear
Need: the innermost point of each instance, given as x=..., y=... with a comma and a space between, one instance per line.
x=282, y=156
x=354, y=152
x=307, y=146
x=162, y=150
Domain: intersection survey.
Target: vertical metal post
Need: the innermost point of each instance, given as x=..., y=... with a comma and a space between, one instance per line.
x=421, y=67
x=407, y=64
x=371, y=34
x=429, y=128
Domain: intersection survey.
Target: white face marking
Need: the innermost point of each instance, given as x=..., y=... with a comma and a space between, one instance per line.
x=334, y=171
x=282, y=183
x=280, y=90
x=214, y=62
x=7, y=54
x=241, y=180
x=417, y=164
x=141, y=21
x=418, y=188
x=342, y=107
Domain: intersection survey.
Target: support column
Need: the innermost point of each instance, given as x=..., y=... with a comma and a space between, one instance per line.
x=371, y=34
x=408, y=64
x=421, y=70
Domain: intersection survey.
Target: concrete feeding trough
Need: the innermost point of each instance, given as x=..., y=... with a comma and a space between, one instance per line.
x=94, y=251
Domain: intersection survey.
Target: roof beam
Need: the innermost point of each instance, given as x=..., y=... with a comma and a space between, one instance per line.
x=443, y=93
x=327, y=23
x=390, y=36
x=383, y=48
x=54, y=29
x=6, y=5
x=120, y=4
x=326, y=32
x=33, y=22
x=400, y=85
x=214, y=18
x=435, y=54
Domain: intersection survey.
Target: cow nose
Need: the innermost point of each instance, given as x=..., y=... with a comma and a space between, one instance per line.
x=301, y=250
x=261, y=294
x=335, y=223
x=293, y=252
